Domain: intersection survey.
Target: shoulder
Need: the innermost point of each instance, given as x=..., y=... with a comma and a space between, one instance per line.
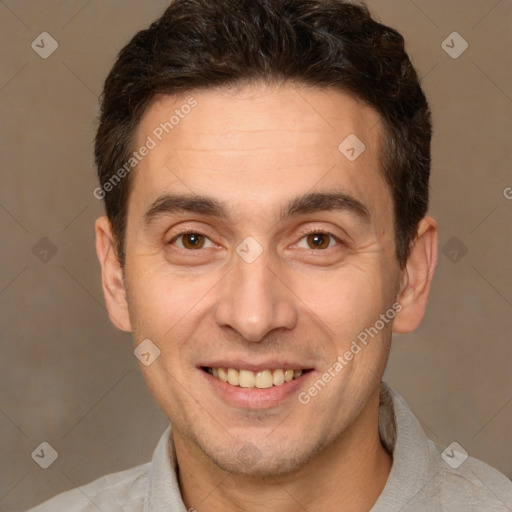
x=124, y=488
x=470, y=482
x=425, y=476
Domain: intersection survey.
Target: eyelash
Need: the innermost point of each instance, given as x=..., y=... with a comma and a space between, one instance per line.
x=303, y=235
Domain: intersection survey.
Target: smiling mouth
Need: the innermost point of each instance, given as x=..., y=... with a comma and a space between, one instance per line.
x=247, y=379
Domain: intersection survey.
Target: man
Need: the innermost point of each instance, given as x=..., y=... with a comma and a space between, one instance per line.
x=265, y=171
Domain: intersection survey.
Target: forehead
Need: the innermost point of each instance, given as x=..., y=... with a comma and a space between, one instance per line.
x=259, y=144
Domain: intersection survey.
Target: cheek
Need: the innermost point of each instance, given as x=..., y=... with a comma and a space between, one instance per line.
x=163, y=303
x=345, y=301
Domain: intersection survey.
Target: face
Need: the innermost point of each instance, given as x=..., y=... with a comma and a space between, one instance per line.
x=255, y=246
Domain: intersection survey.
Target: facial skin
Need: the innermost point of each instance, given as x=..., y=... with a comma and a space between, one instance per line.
x=253, y=150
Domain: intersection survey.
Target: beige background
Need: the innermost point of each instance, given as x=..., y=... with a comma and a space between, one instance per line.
x=70, y=379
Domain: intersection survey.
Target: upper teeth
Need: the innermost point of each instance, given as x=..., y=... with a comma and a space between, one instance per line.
x=247, y=379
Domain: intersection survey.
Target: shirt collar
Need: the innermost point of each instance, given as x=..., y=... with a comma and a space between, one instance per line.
x=163, y=491
x=403, y=436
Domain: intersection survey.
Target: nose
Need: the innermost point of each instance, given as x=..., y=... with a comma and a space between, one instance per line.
x=254, y=300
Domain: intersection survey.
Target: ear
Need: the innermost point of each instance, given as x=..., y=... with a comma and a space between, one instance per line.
x=111, y=275
x=417, y=278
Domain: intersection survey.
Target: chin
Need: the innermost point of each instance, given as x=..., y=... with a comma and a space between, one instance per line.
x=263, y=459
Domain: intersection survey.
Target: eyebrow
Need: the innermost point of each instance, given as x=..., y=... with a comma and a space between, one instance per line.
x=307, y=203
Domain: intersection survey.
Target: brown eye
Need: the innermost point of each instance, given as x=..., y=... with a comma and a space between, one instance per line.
x=193, y=241
x=318, y=240
x=190, y=241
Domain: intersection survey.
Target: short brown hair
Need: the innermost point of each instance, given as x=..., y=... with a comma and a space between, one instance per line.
x=199, y=44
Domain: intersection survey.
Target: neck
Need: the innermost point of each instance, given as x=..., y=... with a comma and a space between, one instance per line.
x=348, y=475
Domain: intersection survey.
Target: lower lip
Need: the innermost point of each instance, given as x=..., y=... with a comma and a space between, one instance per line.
x=255, y=398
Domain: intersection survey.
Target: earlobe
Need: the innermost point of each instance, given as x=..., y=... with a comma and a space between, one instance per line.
x=111, y=275
x=417, y=278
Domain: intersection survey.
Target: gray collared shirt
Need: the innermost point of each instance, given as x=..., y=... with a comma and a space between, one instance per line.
x=421, y=478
